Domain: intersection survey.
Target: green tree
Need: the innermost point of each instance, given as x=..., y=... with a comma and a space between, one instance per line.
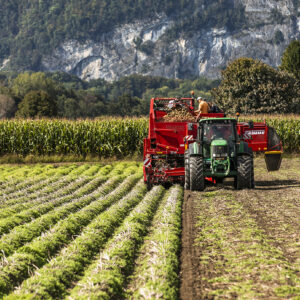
x=37, y=104
x=7, y=106
x=250, y=86
x=26, y=82
x=290, y=60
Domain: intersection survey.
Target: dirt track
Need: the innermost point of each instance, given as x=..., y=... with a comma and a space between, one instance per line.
x=244, y=244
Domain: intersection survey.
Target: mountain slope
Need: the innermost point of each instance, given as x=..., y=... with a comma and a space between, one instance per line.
x=110, y=39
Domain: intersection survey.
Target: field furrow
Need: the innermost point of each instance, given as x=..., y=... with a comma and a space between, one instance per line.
x=93, y=231
x=244, y=244
x=106, y=277
x=25, y=233
x=20, y=265
x=64, y=268
x=157, y=267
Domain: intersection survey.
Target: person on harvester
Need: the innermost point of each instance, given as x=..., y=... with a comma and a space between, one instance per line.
x=204, y=107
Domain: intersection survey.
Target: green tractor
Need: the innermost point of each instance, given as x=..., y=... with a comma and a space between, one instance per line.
x=218, y=153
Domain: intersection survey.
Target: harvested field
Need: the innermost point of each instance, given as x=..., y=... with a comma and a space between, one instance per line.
x=87, y=231
x=244, y=244
x=93, y=231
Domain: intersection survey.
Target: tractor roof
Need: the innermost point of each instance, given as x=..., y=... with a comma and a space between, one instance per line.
x=217, y=120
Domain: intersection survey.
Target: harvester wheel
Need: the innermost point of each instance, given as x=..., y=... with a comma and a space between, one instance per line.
x=252, y=175
x=187, y=173
x=196, y=174
x=243, y=180
x=149, y=183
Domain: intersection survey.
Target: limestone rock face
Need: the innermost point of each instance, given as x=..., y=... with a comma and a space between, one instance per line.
x=141, y=48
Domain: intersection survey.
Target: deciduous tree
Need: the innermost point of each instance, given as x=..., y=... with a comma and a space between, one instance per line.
x=250, y=86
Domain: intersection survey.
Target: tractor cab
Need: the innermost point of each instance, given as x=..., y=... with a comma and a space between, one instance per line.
x=218, y=152
x=218, y=139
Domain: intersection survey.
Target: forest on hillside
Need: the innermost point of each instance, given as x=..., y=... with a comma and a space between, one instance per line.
x=67, y=96
x=31, y=29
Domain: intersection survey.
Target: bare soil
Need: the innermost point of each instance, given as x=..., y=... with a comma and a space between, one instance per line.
x=243, y=244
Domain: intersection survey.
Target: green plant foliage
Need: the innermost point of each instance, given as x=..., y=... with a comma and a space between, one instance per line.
x=104, y=138
x=37, y=252
x=37, y=104
x=75, y=98
x=250, y=86
x=290, y=60
x=157, y=267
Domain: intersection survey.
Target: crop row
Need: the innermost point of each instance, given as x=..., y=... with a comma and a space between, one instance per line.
x=106, y=277
x=71, y=261
x=72, y=198
x=157, y=269
x=18, y=266
x=24, y=233
x=105, y=138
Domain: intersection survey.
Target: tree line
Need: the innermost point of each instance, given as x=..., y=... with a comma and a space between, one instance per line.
x=38, y=94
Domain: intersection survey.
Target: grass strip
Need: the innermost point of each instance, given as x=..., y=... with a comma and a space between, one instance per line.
x=21, y=264
x=25, y=233
x=52, y=280
x=157, y=267
x=106, y=277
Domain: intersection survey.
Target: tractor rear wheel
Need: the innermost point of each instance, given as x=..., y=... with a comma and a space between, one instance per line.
x=187, y=173
x=243, y=180
x=196, y=174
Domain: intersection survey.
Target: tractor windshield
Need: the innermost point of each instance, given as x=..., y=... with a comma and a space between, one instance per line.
x=212, y=131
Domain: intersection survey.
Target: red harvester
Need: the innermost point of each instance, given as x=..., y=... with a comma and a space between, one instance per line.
x=212, y=148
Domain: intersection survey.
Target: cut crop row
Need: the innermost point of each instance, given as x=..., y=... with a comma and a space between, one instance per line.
x=52, y=280
x=43, y=195
x=47, y=193
x=156, y=273
x=238, y=258
x=106, y=277
x=18, y=266
x=26, y=216
x=25, y=233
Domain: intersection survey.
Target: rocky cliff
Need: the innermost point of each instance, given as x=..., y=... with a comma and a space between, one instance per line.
x=142, y=47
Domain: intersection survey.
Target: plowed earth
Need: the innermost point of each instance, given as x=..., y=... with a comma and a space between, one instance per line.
x=244, y=244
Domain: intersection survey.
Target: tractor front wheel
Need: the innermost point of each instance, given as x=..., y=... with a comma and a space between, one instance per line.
x=196, y=174
x=245, y=173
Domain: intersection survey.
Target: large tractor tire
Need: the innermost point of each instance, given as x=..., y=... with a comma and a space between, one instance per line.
x=245, y=173
x=187, y=173
x=196, y=174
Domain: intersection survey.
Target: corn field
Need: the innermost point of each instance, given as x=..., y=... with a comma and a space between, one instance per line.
x=105, y=137
x=111, y=137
